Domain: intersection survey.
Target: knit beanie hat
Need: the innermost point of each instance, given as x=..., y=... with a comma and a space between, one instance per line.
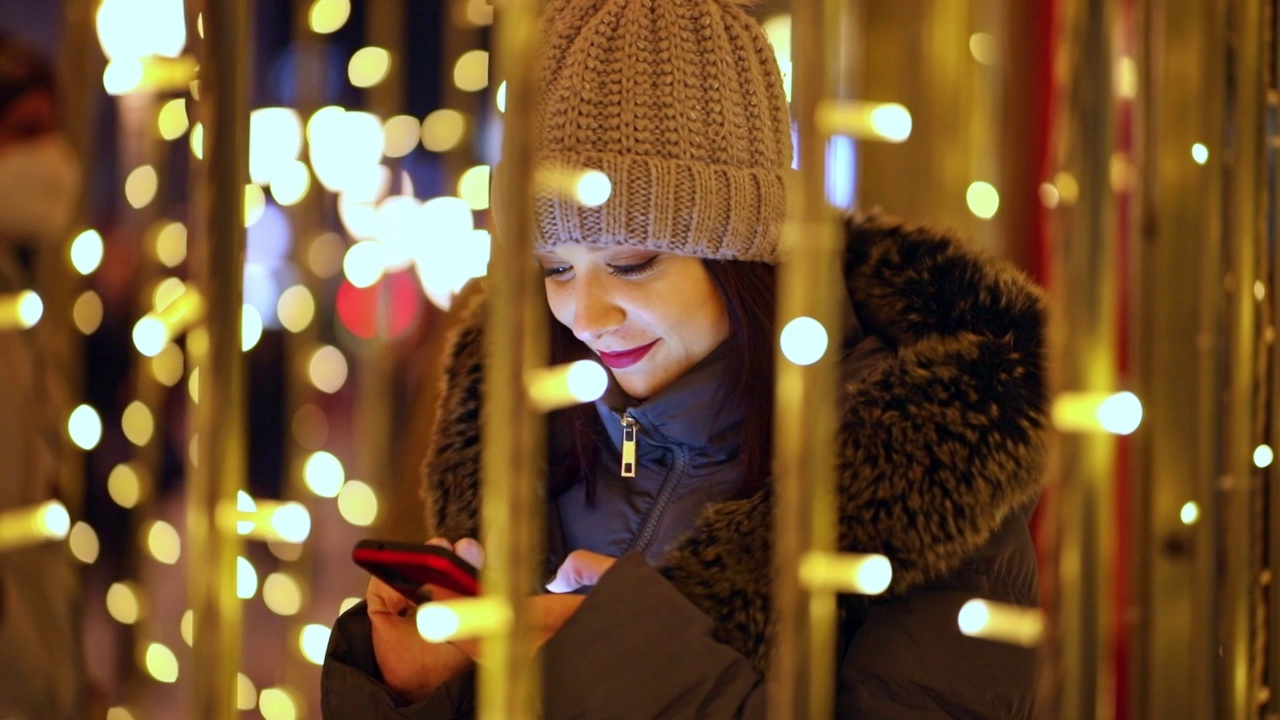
x=680, y=103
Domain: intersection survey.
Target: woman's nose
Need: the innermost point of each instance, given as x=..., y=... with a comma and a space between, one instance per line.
x=596, y=313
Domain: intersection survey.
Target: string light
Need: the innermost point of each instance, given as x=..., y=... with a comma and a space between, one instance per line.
x=277, y=704
x=864, y=574
x=125, y=485
x=171, y=244
x=442, y=130
x=471, y=71
x=246, y=579
x=803, y=341
x=566, y=385
x=984, y=48
x=137, y=423
x=1200, y=153
x=328, y=16
x=1263, y=456
x=461, y=618
x=364, y=264
x=983, y=199
x=282, y=594
x=162, y=664
x=291, y=183
x=368, y=66
x=167, y=366
x=1189, y=514
x=246, y=693
x=34, y=525
x=164, y=542
x=357, y=503
x=250, y=327
x=328, y=369
x=196, y=138
x=87, y=312
x=402, y=134
x=473, y=187
x=140, y=186
x=1116, y=413
x=83, y=542
x=20, y=310
x=86, y=252
x=84, y=427
x=313, y=641
x=296, y=308
x=124, y=603
x=323, y=474
x=1001, y=622
x=172, y=119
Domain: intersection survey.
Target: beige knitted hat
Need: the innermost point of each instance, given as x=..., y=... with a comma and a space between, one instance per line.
x=680, y=103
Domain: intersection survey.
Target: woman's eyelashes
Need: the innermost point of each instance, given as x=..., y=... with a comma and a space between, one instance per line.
x=562, y=272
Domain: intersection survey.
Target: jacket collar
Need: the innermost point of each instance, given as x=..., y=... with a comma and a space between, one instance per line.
x=938, y=445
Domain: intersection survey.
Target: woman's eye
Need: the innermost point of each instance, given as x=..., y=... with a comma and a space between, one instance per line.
x=631, y=271
x=555, y=272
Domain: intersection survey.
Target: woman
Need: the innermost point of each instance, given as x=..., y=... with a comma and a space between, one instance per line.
x=671, y=285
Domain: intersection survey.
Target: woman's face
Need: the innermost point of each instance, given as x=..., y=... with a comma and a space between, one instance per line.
x=650, y=316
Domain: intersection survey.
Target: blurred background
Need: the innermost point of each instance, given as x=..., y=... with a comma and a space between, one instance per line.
x=1123, y=152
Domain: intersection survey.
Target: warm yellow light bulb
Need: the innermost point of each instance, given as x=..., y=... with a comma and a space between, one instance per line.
x=803, y=341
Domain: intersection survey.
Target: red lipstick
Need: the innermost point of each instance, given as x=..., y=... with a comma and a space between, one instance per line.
x=626, y=358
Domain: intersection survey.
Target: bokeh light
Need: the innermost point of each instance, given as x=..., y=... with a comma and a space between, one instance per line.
x=171, y=244
x=275, y=141
x=357, y=503
x=364, y=263
x=277, y=704
x=85, y=427
x=983, y=199
x=86, y=252
x=291, y=183
x=328, y=16
x=164, y=542
x=172, y=119
x=804, y=341
x=246, y=693
x=124, y=602
x=471, y=72
x=162, y=664
x=296, y=308
x=402, y=135
x=310, y=427
x=138, y=423
x=246, y=579
x=125, y=485
x=442, y=130
x=282, y=594
x=255, y=204
x=87, y=312
x=314, y=640
x=473, y=187
x=368, y=66
x=141, y=185
x=323, y=474
x=84, y=543
x=327, y=369
x=250, y=327
x=1263, y=456
x=167, y=366
x=390, y=308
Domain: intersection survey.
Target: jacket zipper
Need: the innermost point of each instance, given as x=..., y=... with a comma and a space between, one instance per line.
x=629, y=429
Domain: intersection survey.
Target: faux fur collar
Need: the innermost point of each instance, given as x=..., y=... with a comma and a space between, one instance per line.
x=938, y=445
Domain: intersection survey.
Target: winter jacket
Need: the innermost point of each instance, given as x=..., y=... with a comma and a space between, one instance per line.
x=940, y=455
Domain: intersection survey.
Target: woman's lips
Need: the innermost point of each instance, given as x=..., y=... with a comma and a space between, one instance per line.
x=626, y=358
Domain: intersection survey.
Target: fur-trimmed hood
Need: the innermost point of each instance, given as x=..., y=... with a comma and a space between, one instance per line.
x=938, y=445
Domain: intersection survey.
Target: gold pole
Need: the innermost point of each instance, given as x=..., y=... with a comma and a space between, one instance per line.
x=801, y=682
x=1181, y=101
x=1085, y=300
x=513, y=466
x=1244, y=223
x=220, y=462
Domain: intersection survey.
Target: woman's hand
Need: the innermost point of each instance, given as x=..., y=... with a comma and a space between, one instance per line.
x=581, y=569
x=412, y=667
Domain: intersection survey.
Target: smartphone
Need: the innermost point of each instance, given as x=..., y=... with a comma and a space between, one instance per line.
x=406, y=567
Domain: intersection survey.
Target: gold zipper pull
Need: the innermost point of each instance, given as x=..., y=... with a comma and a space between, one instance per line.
x=628, y=446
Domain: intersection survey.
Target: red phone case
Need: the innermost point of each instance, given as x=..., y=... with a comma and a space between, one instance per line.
x=407, y=567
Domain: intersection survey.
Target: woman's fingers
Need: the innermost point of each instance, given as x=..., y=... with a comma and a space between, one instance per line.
x=382, y=598
x=470, y=550
x=581, y=569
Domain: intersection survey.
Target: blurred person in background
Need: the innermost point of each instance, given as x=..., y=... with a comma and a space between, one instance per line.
x=40, y=644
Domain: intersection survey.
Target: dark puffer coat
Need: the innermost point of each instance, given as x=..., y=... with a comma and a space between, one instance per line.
x=941, y=451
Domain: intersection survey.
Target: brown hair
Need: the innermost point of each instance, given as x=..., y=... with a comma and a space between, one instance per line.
x=748, y=290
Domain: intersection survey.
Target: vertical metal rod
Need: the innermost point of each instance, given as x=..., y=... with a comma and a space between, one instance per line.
x=1176, y=455
x=221, y=460
x=1084, y=495
x=801, y=681
x=1243, y=151
x=513, y=466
